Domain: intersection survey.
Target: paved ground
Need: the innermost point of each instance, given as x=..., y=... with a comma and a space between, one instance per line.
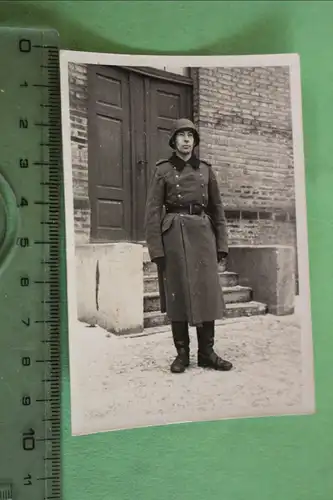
x=125, y=382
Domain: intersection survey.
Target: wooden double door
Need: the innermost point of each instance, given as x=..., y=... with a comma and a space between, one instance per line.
x=131, y=113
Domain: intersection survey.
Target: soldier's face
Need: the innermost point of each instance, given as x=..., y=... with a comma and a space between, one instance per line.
x=184, y=141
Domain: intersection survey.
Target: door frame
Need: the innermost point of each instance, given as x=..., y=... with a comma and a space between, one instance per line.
x=161, y=74
x=148, y=74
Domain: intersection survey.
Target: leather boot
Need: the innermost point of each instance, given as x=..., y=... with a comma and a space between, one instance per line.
x=181, y=340
x=207, y=357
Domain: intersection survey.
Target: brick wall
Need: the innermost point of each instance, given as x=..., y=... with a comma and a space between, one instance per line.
x=244, y=119
x=79, y=148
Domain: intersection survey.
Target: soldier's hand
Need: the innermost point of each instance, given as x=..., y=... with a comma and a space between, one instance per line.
x=222, y=257
x=160, y=262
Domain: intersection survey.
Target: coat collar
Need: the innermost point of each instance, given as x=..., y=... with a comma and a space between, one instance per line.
x=179, y=163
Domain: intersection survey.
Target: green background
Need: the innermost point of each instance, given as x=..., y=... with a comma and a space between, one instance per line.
x=276, y=458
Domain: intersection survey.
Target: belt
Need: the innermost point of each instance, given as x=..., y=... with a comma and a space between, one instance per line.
x=190, y=209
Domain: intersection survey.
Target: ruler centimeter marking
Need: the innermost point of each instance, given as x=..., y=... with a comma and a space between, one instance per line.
x=30, y=161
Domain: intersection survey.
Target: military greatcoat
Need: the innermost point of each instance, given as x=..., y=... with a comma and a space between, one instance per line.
x=189, y=285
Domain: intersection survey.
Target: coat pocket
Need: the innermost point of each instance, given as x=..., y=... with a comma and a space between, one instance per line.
x=212, y=224
x=166, y=223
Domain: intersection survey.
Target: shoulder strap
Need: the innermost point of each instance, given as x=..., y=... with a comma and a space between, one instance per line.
x=160, y=162
x=206, y=162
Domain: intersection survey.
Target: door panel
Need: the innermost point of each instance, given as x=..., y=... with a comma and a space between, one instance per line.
x=109, y=154
x=130, y=119
x=110, y=133
x=169, y=102
x=162, y=104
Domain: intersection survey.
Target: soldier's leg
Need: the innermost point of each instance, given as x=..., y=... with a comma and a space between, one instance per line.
x=207, y=357
x=181, y=339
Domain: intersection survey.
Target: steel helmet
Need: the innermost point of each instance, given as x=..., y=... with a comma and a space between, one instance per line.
x=183, y=124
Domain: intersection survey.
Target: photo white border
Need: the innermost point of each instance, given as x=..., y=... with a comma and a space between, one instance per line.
x=293, y=62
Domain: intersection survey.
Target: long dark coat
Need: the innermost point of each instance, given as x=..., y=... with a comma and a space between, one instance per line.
x=189, y=287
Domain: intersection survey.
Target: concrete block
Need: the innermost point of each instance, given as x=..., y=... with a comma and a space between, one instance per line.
x=110, y=286
x=270, y=271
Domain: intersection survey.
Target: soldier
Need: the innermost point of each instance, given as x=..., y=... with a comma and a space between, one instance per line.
x=187, y=242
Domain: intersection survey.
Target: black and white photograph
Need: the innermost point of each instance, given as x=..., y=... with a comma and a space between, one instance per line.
x=186, y=239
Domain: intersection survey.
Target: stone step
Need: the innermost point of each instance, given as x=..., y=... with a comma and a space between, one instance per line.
x=150, y=268
x=154, y=319
x=251, y=308
x=235, y=310
x=227, y=279
x=231, y=295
